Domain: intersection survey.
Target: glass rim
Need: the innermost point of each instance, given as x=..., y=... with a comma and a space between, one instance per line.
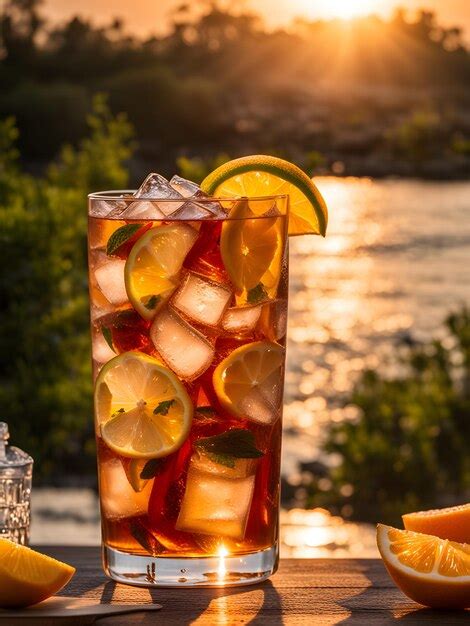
x=126, y=195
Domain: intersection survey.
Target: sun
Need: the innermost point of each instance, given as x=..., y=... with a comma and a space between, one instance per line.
x=344, y=9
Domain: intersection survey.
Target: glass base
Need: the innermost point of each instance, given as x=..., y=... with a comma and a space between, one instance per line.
x=224, y=571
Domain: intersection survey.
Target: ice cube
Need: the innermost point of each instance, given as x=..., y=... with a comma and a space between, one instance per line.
x=241, y=319
x=273, y=321
x=202, y=300
x=192, y=211
x=262, y=406
x=110, y=279
x=185, y=187
x=157, y=187
x=217, y=498
x=118, y=498
x=183, y=348
x=101, y=351
x=141, y=210
x=188, y=189
x=106, y=208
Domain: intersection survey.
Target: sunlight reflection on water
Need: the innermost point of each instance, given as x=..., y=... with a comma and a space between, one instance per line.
x=395, y=261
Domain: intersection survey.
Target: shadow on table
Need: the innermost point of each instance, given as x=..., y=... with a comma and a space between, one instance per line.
x=259, y=604
x=384, y=603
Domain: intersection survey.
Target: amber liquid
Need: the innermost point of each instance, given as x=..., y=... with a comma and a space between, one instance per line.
x=153, y=530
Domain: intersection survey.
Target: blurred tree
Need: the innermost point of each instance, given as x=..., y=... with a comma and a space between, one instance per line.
x=416, y=138
x=197, y=169
x=20, y=23
x=408, y=449
x=45, y=378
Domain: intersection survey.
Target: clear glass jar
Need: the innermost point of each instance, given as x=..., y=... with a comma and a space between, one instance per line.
x=16, y=471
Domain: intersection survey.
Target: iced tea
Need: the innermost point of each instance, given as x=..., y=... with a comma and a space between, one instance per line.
x=188, y=299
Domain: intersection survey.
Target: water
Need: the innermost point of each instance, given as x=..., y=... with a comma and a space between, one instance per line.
x=396, y=260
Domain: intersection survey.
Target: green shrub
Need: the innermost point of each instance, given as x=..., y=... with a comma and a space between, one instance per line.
x=45, y=377
x=409, y=447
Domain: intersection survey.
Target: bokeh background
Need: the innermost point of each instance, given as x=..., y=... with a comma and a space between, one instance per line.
x=369, y=98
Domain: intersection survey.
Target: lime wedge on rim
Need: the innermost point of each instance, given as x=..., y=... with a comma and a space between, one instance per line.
x=261, y=175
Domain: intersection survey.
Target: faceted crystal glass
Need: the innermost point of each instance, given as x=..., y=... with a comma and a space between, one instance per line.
x=16, y=471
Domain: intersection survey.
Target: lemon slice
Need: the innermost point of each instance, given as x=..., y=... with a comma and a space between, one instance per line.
x=249, y=382
x=152, y=270
x=28, y=577
x=252, y=251
x=261, y=175
x=429, y=570
x=142, y=409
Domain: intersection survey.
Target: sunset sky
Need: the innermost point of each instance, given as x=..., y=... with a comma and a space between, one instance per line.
x=147, y=16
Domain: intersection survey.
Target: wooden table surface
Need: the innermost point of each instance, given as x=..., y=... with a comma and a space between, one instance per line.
x=320, y=591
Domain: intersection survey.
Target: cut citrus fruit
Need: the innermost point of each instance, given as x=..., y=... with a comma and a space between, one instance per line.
x=28, y=577
x=452, y=523
x=153, y=267
x=248, y=382
x=252, y=254
x=429, y=570
x=260, y=175
x=142, y=409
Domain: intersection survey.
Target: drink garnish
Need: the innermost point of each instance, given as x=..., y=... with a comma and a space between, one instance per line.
x=137, y=382
x=257, y=294
x=151, y=468
x=108, y=337
x=121, y=236
x=206, y=411
x=152, y=302
x=153, y=267
x=146, y=539
x=163, y=407
x=262, y=175
x=238, y=443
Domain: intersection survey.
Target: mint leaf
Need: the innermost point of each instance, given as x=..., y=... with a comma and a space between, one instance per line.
x=108, y=337
x=120, y=236
x=222, y=459
x=238, y=443
x=152, y=302
x=163, y=407
x=151, y=468
x=205, y=410
x=146, y=539
x=256, y=294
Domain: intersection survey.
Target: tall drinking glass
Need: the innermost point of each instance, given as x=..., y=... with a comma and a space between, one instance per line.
x=188, y=320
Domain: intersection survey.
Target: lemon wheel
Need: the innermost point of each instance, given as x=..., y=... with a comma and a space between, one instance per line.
x=152, y=270
x=142, y=410
x=249, y=382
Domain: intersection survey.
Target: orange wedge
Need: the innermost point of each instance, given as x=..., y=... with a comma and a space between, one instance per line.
x=452, y=523
x=28, y=577
x=429, y=570
x=252, y=252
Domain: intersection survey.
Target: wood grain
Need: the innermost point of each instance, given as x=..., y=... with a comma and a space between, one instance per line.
x=352, y=592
